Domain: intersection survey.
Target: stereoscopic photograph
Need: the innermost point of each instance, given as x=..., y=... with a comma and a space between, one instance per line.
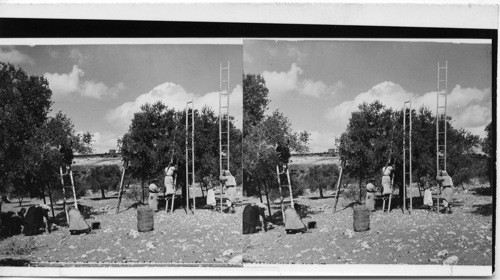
x=121, y=154
x=368, y=152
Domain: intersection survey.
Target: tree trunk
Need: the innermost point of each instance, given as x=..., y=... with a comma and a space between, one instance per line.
x=360, y=187
x=269, y=205
x=43, y=195
x=321, y=192
x=50, y=199
x=260, y=193
x=103, y=195
x=142, y=187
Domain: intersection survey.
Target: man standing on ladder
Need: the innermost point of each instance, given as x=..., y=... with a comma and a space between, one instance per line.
x=387, y=174
x=283, y=156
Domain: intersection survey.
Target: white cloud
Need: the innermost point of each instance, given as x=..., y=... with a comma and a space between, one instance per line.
x=103, y=142
x=175, y=96
x=9, y=54
x=70, y=83
x=99, y=90
x=283, y=83
x=469, y=107
x=65, y=84
x=321, y=141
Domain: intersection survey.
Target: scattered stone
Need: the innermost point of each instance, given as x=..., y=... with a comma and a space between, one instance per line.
x=227, y=253
x=236, y=260
x=442, y=253
x=365, y=245
x=453, y=260
x=451, y=233
x=434, y=260
x=133, y=233
x=150, y=245
x=349, y=233
x=219, y=260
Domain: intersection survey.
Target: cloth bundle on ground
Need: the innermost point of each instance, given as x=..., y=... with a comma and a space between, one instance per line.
x=77, y=224
x=33, y=221
x=293, y=222
x=251, y=221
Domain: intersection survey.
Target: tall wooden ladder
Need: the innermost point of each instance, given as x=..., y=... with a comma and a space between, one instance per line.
x=190, y=172
x=441, y=129
x=284, y=184
x=70, y=172
x=224, y=124
x=407, y=159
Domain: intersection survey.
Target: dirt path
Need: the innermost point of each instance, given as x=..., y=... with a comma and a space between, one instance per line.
x=394, y=238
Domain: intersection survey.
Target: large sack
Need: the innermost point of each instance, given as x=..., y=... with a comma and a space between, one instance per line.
x=77, y=223
x=145, y=219
x=293, y=222
x=361, y=218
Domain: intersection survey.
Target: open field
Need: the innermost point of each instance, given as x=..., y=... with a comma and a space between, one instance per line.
x=205, y=237
x=393, y=238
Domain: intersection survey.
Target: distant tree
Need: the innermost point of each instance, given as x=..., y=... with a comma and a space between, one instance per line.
x=321, y=177
x=103, y=178
x=489, y=150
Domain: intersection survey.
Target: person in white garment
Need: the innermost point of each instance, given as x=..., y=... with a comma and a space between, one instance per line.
x=209, y=181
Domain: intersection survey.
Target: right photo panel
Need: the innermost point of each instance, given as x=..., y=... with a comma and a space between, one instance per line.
x=368, y=152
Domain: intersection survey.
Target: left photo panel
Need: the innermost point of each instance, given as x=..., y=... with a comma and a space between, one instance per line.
x=121, y=154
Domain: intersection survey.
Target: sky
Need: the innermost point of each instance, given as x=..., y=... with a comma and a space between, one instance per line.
x=100, y=87
x=318, y=84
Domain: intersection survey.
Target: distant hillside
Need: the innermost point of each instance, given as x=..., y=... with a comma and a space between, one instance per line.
x=304, y=161
x=85, y=162
x=297, y=161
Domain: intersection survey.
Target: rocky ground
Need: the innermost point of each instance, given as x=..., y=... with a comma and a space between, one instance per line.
x=422, y=237
x=207, y=236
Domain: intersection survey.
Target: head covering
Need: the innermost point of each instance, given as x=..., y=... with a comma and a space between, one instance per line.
x=262, y=205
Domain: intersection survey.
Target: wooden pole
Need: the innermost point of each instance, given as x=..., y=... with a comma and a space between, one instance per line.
x=73, y=187
x=64, y=194
x=50, y=199
x=338, y=188
x=281, y=194
x=269, y=205
x=290, y=187
x=120, y=193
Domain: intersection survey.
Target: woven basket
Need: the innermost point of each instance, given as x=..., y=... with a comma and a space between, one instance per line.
x=361, y=218
x=145, y=219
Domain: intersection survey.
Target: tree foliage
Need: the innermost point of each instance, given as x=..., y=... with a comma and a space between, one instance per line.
x=30, y=137
x=322, y=177
x=262, y=134
x=375, y=134
x=157, y=135
x=103, y=178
